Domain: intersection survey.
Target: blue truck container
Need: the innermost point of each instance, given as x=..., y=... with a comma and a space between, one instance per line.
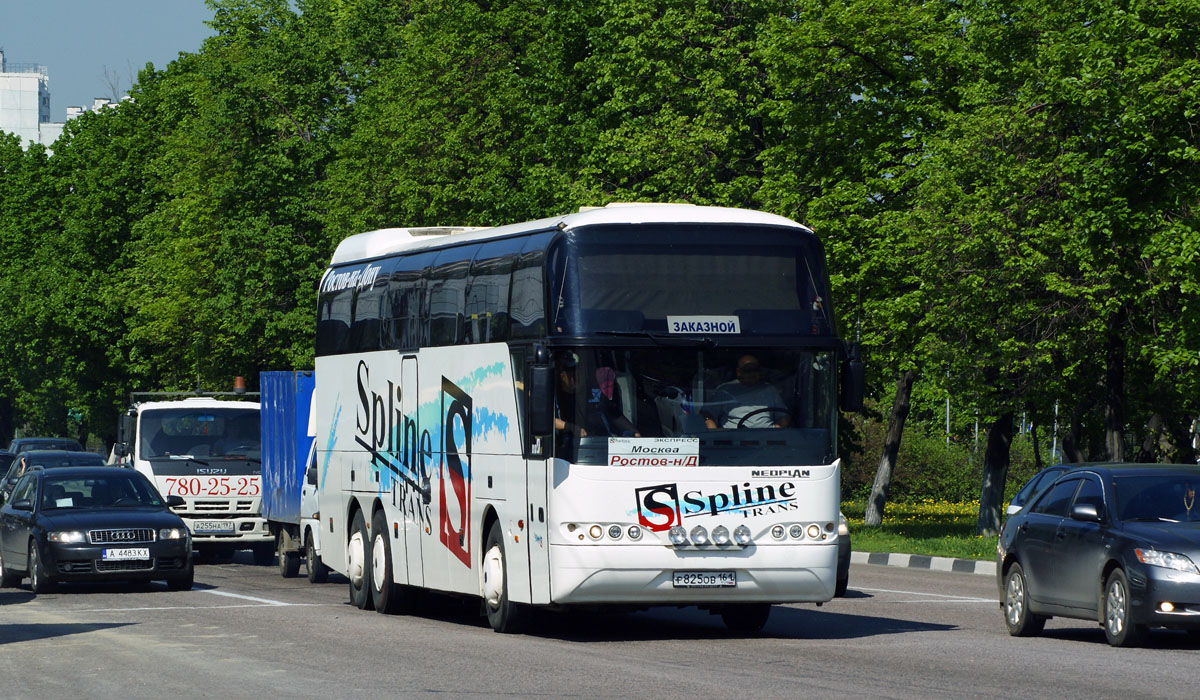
x=287, y=449
x=285, y=398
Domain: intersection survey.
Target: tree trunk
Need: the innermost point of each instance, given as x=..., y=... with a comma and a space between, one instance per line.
x=1071, y=452
x=891, y=448
x=1150, y=444
x=1037, y=452
x=995, y=473
x=1114, y=396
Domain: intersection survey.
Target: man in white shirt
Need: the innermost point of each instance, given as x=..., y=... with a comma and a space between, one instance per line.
x=748, y=402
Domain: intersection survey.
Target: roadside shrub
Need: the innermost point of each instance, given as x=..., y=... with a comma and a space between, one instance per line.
x=927, y=468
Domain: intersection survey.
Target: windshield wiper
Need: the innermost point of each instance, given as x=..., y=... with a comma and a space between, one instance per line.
x=664, y=339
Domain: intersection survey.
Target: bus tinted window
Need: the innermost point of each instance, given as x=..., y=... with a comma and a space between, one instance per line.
x=447, y=294
x=487, y=292
x=334, y=313
x=527, y=306
x=365, y=329
x=407, y=325
x=631, y=279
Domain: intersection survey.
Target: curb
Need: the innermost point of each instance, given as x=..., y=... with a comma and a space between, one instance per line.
x=922, y=561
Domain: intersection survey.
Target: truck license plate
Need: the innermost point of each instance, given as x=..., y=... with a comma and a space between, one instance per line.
x=212, y=527
x=704, y=579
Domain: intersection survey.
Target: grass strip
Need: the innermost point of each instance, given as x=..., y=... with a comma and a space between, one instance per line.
x=933, y=528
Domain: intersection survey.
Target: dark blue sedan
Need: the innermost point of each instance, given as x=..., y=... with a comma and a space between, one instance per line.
x=1113, y=543
x=91, y=524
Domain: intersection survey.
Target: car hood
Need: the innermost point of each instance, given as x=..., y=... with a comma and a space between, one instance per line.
x=109, y=518
x=1175, y=537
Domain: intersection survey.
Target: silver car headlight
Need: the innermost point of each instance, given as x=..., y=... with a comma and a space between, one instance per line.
x=67, y=537
x=1166, y=560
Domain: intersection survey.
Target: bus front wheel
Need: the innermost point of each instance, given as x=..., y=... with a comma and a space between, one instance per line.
x=746, y=617
x=503, y=615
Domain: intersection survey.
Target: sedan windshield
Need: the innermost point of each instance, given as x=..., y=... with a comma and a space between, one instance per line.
x=737, y=406
x=1169, y=498
x=97, y=492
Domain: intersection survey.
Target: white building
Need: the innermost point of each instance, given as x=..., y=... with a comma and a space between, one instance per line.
x=25, y=103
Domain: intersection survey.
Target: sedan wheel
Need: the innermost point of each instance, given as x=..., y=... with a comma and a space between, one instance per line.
x=39, y=582
x=1118, y=626
x=1018, y=619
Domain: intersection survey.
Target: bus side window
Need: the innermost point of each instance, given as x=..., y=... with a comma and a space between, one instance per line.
x=447, y=291
x=333, y=322
x=407, y=325
x=487, y=293
x=527, y=304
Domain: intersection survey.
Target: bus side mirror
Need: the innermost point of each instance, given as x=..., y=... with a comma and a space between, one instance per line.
x=541, y=401
x=853, y=383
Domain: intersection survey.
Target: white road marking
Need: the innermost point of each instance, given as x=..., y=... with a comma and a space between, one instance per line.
x=197, y=607
x=948, y=598
x=264, y=601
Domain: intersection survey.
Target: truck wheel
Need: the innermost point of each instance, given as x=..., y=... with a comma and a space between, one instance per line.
x=289, y=561
x=503, y=615
x=358, y=560
x=389, y=598
x=317, y=571
x=264, y=554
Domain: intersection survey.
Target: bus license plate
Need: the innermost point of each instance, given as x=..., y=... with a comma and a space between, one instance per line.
x=705, y=579
x=126, y=554
x=212, y=527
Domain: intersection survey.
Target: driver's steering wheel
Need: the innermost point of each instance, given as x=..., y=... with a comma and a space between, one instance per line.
x=765, y=409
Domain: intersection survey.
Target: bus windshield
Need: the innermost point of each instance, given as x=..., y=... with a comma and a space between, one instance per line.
x=208, y=433
x=764, y=406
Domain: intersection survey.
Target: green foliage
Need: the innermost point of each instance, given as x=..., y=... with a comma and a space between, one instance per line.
x=1000, y=189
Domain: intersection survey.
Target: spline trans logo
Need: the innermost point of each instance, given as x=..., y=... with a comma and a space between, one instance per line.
x=661, y=507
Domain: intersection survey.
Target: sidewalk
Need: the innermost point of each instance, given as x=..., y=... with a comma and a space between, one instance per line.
x=922, y=561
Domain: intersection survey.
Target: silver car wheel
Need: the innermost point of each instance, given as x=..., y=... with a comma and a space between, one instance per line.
x=1114, y=607
x=1014, y=600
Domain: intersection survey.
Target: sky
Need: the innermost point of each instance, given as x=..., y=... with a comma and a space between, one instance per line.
x=81, y=41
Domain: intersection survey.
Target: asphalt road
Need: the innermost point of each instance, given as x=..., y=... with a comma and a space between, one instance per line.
x=245, y=632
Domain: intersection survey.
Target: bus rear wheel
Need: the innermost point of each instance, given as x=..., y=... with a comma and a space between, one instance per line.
x=389, y=597
x=503, y=615
x=359, y=564
x=746, y=617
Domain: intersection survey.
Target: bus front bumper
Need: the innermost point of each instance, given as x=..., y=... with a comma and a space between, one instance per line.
x=646, y=574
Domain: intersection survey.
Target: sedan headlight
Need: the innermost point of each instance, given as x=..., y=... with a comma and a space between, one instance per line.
x=172, y=533
x=1166, y=560
x=67, y=537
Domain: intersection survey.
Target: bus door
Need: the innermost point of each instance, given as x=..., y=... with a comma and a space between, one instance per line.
x=537, y=479
x=415, y=504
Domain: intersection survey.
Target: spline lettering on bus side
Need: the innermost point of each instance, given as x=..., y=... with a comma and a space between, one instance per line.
x=660, y=507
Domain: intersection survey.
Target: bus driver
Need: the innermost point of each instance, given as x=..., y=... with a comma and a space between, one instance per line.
x=748, y=402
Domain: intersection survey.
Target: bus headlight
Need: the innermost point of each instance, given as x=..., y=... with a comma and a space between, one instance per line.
x=814, y=531
x=678, y=536
x=778, y=532
x=741, y=535
x=596, y=532
x=796, y=531
x=720, y=535
x=635, y=532
x=699, y=536
x=614, y=531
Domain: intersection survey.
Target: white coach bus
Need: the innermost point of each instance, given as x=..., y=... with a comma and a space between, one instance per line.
x=629, y=406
